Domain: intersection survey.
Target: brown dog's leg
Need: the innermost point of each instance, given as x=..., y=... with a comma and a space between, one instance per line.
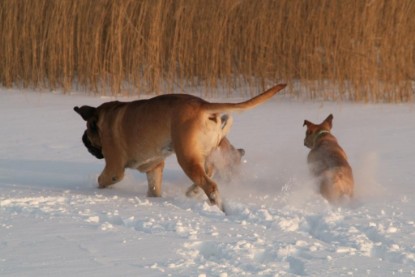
x=328, y=188
x=193, y=191
x=154, y=179
x=325, y=189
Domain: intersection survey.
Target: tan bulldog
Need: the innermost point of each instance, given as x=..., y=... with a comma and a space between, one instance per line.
x=327, y=161
x=141, y=134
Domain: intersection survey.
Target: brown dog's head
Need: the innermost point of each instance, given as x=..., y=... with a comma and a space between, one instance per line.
x=225, y=159
x=232, y=155
x=314, y=131
x=91, y=137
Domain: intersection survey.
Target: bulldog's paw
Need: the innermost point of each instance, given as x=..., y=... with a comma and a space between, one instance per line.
x=153, y=192
x=102, y=186
x=215, y=199
x=106, y=181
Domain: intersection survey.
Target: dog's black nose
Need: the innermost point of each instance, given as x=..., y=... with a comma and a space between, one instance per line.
x=241, y=151
x=95, y=151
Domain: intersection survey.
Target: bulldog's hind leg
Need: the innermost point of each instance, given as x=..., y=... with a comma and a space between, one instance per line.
x=194, y=189
x=196, y=172
x=154, y=179
x=192, y=139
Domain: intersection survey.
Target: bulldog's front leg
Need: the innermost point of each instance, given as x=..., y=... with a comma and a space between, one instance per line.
x=154, y=180
x=110, y=175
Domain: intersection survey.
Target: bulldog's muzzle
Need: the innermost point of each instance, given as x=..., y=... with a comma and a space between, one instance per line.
x=95, y=151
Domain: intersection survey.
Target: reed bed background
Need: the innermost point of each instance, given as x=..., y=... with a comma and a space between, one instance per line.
x=330, y=49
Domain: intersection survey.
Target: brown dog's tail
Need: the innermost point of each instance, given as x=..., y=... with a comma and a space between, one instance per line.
x=249, y=104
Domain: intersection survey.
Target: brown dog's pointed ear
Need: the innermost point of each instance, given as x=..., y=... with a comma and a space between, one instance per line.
x=306, y=122
x=86, y=112
x=329, y=120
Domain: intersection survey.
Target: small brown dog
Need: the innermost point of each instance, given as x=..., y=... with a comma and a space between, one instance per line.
x=328, y=162
x=225, y=161
x=142, y=134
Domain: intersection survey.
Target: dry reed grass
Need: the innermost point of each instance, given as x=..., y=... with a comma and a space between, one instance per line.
x=364, y=50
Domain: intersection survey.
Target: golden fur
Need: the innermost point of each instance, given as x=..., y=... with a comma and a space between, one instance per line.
x=327, y=161
x=142, y=133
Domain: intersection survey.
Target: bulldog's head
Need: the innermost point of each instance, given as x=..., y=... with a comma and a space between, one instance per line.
x=314, y=131
x=91, y=138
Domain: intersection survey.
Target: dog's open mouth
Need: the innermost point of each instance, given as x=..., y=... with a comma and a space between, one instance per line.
x=95, y=151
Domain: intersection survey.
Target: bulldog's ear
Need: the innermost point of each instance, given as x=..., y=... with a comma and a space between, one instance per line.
x=86, y=112
x=307, y=123
x=329, y=120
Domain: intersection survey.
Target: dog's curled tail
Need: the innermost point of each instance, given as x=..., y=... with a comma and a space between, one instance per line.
x=246, y=105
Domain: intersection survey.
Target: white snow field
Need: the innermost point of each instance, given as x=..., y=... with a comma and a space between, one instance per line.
x=54, y=221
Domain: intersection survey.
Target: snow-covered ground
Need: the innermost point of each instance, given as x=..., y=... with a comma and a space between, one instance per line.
x=54, y=221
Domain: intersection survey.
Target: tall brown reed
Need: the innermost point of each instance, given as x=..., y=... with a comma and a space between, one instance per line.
x=360, y=50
